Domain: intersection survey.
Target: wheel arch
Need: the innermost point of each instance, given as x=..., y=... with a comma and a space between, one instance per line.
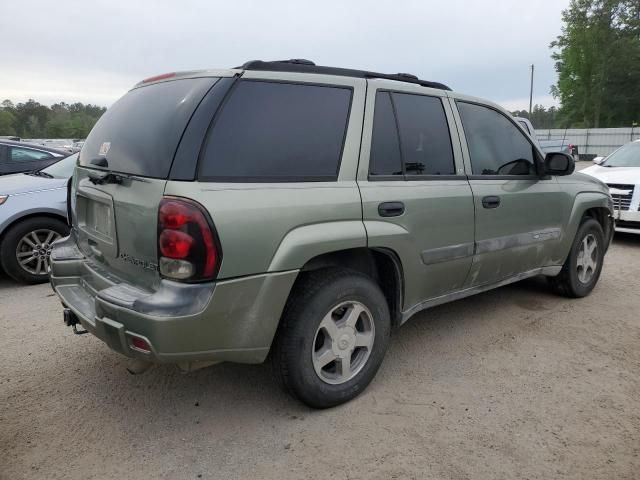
x=382, y=265
x=53, y=214
x=595, y=205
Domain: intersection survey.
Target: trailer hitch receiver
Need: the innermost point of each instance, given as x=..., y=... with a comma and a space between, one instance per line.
x=71, y=320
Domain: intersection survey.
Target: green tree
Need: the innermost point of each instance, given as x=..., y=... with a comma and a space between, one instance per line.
x=540, y=116
x=7, y=122
x=598, y=63
x=61, y=120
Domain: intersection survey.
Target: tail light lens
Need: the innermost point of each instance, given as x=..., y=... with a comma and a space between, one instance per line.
x=188, y=247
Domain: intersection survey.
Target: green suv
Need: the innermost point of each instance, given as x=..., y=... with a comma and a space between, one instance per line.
x=299, y=213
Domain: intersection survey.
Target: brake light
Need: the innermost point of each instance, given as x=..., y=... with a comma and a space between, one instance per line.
x=188, y=248
x=156, y=78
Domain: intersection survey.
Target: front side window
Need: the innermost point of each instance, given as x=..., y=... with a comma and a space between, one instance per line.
x=27, y=155
x=270, y=131
x=496, y=146
x=410, y=136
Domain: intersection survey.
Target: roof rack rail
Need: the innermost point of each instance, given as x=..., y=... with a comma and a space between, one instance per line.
x=300, y=65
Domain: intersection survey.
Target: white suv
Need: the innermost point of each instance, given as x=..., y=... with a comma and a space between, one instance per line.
x=621, y=172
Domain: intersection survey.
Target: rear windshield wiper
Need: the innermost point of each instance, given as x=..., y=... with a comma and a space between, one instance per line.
x=101, y=178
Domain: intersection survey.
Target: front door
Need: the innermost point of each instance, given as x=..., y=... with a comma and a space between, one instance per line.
x=517, y=222
x=416, y=199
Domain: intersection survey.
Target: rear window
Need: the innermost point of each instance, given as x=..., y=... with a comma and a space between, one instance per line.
x=269, y=131
x=139, y=133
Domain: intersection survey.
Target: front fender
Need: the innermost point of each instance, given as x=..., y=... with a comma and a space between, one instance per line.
x=306, y=242
x=583, y=201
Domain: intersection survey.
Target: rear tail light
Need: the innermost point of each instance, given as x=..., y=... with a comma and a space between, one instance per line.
x=188, y=248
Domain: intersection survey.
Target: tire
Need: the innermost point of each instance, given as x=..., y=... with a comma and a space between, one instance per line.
x=575, y=280
x=15, y=248
x=303, y=342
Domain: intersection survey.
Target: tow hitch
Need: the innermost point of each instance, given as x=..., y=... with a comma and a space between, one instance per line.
x=70, y=320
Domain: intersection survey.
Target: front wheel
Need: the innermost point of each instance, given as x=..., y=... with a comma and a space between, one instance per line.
x=333, y=336
x=581, y=270
x=26, y=248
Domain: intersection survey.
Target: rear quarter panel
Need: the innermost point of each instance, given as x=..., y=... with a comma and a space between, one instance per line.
x=277, y=227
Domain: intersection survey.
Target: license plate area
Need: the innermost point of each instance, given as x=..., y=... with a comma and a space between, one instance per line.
x=96, y=221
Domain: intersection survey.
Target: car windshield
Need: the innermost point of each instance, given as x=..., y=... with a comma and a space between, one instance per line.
x=626, y=156
x=63, y=168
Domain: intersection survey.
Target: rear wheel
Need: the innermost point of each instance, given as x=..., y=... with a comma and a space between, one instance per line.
x=581, y=270
x=26, y=248
x=332, y=338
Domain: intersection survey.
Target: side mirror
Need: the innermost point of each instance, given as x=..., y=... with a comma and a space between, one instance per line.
x=598, y=160
x=558, y=163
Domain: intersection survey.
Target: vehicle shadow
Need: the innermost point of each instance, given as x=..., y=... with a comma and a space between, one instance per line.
x=627, y=239
x=166, y=397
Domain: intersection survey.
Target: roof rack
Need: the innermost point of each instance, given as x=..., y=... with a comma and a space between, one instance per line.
x=301, y=65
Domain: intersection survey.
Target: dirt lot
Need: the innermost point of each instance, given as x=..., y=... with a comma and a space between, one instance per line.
x=515, y=383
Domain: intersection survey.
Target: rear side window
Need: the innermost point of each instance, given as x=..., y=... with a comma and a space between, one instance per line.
x=424, y=135
x=269, y=131
x=496, y=146
x=385, y=147
x=27, y=155
x=411, y=136
x=139, y=133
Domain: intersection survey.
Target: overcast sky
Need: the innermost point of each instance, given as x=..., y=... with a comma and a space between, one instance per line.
x=94, y=51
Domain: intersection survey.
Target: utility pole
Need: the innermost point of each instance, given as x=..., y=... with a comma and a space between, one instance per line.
x=531, y=92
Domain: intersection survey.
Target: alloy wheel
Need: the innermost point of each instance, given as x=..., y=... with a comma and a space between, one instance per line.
x=587, y=261
x=343, y=342
x=34, y=249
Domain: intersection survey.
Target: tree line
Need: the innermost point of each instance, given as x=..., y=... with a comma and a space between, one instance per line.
x=61, y=120
x=597, y=57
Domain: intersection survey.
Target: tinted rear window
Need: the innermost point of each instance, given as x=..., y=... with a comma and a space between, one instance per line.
x=424, y=135
x=141, y=131
x=270, y=131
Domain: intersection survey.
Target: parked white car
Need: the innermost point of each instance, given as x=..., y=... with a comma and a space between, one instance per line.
x=621, y=172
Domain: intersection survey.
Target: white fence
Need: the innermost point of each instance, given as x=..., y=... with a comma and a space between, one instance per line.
x=593, y=142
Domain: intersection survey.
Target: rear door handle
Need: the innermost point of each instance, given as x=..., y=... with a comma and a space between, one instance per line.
x=491, y=201
x=391, y=209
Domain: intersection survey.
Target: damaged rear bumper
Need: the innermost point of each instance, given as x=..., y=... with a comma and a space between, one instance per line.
x=232, y=320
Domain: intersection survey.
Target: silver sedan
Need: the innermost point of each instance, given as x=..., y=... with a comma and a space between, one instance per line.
x=33, y=214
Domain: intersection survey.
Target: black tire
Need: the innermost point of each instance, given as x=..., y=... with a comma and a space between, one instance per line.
x=312, y=299
x=568, y=282
x=13, y=236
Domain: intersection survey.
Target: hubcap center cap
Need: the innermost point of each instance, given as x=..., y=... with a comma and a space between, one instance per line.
x=345, y=342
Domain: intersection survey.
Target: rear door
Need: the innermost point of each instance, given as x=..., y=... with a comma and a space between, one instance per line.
x=123, y=169
x=416, y=199
x=518, y=213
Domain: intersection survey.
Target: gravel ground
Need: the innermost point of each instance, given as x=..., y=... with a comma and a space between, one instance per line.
x=514, y=383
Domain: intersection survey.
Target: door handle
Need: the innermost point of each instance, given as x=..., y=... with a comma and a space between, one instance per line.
x=492, y=201
x=391, y=209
